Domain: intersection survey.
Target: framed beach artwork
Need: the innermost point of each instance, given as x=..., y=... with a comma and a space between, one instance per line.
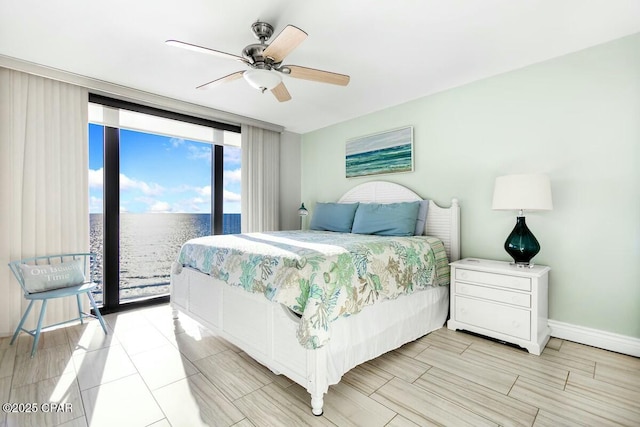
x=385, y=152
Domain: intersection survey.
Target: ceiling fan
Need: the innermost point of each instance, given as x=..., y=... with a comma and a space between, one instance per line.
x=265, y=61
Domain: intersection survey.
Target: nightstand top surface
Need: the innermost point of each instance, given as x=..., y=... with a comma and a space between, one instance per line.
x=500, y=267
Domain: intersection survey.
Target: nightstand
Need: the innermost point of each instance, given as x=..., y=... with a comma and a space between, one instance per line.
x=501, y=300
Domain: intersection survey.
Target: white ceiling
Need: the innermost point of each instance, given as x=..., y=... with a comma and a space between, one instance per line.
x=394, y=51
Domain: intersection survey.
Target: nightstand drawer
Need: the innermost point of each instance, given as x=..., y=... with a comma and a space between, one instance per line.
x=499, y=295
x=502, y=280
x=494, y=317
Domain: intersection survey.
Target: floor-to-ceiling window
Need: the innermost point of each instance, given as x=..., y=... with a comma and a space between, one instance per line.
x=156, y=180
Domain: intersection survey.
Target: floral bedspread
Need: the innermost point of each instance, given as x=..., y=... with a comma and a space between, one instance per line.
x=320, y=275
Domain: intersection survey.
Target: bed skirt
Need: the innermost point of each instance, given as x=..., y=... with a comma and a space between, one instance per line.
x=267, y=331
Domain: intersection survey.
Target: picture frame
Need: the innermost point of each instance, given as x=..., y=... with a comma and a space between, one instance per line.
x=385, y=152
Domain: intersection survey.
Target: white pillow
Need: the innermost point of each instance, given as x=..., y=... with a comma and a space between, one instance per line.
x=40, y=278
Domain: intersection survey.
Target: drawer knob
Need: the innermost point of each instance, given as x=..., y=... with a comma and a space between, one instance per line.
x=463, y=274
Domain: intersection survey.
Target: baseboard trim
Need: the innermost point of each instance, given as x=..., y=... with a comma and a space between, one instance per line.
x=596, y=338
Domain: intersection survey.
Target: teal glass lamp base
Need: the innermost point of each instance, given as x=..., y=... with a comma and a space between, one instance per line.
x=521, y=244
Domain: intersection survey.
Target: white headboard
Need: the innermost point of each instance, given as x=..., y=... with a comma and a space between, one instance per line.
x=443, y=223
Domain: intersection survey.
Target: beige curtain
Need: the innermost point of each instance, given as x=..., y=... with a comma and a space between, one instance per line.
x=260, y=179
x=43, y=182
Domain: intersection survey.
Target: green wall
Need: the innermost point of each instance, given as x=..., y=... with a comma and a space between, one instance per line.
x=576, y=118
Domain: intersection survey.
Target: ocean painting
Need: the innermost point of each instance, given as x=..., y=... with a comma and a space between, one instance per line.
x=385, y=152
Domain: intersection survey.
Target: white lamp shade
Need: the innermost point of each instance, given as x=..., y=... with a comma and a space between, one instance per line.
x=522, y=192
x=262, y=79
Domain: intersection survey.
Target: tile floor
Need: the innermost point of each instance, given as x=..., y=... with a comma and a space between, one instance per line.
x=154, y=371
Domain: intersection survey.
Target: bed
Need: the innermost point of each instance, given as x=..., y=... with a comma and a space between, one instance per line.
x=285, y=334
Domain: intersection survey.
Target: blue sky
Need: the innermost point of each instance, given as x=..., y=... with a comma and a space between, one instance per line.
x=163, y=174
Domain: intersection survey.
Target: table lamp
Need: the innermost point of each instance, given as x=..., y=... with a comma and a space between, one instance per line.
x=522, y=192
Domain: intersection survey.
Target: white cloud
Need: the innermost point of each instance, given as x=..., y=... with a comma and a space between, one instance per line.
x=232, y=155
x=234, y=175
x=204, y=191
x=192, y=205
x=160, y=207
x=96, y=178
x=230, y=196
x=176, y=142
x=96, y=204
x=151, y=189
x=197, y=152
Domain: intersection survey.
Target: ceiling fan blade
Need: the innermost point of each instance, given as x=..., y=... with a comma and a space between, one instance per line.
x=281, y=93
x=287, y=40
x=316, y=75
x=206, y=50
x=225, y=79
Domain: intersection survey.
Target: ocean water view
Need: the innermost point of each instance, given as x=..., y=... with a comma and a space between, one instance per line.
x=149, y=243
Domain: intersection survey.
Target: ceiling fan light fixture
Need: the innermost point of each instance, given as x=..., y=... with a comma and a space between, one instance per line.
x=262, y=79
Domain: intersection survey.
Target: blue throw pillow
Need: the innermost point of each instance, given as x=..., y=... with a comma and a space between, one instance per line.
x=386, y=219
x=333, y=217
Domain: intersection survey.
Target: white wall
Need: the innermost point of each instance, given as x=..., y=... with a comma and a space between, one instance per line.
x=576, y=118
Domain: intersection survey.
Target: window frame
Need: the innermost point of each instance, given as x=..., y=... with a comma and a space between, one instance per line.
x=111, y=202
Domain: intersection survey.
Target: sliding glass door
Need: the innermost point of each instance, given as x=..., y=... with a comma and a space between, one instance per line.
x=165, y=199
x=151, y=189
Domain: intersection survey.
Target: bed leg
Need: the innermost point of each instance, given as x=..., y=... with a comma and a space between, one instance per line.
x=317, y=402
x=174, y=313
